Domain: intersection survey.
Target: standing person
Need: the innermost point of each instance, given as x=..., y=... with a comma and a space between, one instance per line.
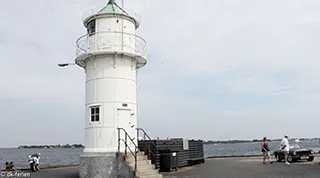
x=285, y=147
x=265, y=150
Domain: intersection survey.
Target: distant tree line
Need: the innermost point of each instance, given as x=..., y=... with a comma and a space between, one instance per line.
x=248, y=141
x=53, y=146
x=227, y=141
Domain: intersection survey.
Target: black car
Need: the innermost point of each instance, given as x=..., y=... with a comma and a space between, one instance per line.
x=296, y=153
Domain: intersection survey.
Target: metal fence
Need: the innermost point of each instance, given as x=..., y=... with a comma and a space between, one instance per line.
x=111, y=41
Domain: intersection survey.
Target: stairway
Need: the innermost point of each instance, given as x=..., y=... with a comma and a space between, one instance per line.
x=144, y=167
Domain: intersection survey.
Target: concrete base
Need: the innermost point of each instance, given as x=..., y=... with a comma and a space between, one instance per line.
x=103, y=165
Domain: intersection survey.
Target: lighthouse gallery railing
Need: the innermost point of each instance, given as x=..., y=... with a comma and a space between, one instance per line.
x=111, y=41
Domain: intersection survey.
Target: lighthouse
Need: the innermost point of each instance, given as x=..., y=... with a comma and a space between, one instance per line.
x=110, y=54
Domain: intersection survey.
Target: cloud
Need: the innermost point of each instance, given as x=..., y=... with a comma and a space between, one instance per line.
x=216, y=69
x=257, y=58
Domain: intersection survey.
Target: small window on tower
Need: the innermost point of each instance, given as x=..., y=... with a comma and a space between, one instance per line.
x=95, y=113
x=91, y=27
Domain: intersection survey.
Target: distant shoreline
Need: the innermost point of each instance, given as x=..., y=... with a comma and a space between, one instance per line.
x=210, y=142
x=52, y=146
x=46, y=146
x=33, y=148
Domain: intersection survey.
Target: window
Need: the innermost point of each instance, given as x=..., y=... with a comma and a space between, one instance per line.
x=95, y=114
x=91, y=27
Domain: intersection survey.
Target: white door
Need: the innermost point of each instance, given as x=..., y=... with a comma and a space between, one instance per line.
x=125, y=123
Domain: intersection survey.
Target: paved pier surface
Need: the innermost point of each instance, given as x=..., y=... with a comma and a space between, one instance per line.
x=219, y=168
x=250, y=168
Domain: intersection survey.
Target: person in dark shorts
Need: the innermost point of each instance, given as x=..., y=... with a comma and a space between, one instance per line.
x=265, y=150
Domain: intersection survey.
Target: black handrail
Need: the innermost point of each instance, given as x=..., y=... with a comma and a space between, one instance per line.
x=126, y=145
x=147, y=145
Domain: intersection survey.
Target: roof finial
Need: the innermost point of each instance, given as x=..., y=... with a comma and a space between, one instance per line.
x=112, y=2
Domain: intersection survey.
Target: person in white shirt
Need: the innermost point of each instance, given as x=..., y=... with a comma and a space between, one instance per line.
x=285, y=147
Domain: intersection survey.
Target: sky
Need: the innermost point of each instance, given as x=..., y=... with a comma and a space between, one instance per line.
x=217, y=69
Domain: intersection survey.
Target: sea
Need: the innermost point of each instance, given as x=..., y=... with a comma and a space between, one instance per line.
x=69, y=156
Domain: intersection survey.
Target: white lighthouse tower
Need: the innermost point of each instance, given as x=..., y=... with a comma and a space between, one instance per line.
x=110, y=54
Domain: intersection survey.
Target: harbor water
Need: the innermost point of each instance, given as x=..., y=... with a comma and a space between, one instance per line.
x=68, y=156
x=252, y=148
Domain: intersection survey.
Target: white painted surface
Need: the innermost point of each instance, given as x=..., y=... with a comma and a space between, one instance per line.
x=109, y=35
x=110, y=87
x=115, y=24
x=185, y=144
x=92, y=12
x=110, y=83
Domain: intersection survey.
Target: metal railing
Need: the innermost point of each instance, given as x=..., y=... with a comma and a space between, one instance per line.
x=111, y=41
x=125, y=140
x=150, y=153
x=97, y=10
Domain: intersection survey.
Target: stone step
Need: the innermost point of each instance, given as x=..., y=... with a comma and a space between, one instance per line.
x=147, y=173
x=129, y=154
x=151, y=176
x=138, y=158
x=140, y=153
x=142, y=165
x=145, y=166
x=140, y=162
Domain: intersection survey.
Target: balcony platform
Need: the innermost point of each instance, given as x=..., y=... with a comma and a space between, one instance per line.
x=109, y=43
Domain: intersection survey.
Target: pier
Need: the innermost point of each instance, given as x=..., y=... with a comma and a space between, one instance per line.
x=249, y=167
x=240, y=167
